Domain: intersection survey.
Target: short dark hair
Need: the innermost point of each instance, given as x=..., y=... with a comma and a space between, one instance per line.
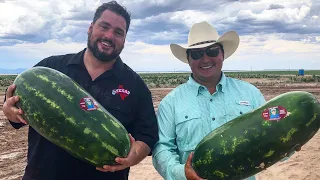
x=116, y=8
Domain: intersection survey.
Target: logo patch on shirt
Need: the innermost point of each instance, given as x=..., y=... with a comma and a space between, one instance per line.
x=121, y=91
x=247, y=103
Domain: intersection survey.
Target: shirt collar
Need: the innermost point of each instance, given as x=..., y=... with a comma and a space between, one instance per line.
x=117, y=68
x=77, y=59
x=196, y=88
x=222, y=83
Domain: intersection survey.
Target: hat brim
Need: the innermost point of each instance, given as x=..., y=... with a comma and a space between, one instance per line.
x=229, y=41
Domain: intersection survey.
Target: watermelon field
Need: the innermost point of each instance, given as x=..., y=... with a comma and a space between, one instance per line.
x=302, y=165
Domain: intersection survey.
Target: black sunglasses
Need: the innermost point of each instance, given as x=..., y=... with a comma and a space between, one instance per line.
x=211, y=51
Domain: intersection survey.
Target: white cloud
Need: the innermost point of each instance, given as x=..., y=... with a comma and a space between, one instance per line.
x=8, y=17
x=148, y=57
x=285, y=15
x=42, y=50
x=27, y=24
x=139, y=55
x=167, y=35
x=130, y=3
x=61, y=25
x=273, y=53
x=144, y=48
x=274, y=44
x=293, y=12
x=43, y=17
x=186, y=17
x=190, y=17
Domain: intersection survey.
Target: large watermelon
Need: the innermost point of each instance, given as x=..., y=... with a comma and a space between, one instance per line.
x=258, y=139
x=68, y=116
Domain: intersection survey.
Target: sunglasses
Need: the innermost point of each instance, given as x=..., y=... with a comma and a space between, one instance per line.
x=211, y=51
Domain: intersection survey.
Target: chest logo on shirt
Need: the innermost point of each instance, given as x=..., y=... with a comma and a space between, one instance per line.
x=246, y=103
x=121, y=91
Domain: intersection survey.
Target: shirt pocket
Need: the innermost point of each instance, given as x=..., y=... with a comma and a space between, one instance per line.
x=237, y=108
x=114, y=104
x=189, y=129
x=121, y=112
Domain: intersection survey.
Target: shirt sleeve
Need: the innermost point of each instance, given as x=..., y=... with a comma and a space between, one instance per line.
x=165, y=157
x=145, y=127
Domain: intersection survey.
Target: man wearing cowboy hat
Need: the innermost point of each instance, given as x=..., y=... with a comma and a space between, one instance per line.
x=206, y=101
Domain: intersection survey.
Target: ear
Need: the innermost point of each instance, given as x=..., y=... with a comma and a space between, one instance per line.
x=222, y=53
x=90, y=29
x=124, y=39
x=188, y=57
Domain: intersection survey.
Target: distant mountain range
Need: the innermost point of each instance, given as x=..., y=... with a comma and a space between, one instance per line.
x=12, y=71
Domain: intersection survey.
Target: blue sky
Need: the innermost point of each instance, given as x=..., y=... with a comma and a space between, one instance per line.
x=274, y=34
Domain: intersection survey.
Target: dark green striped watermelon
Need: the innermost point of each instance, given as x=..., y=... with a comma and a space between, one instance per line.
x=68, y=116
x=258, y=139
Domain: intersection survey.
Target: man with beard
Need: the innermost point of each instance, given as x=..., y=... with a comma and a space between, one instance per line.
x=101, y=72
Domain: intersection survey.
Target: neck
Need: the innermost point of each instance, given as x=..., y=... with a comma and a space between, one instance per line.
x=210, y=85
x=94, y=66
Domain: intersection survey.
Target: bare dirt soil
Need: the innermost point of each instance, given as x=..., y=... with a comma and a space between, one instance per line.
x=304, y=164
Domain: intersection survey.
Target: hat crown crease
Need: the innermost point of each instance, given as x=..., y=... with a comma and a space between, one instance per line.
x=202, y=33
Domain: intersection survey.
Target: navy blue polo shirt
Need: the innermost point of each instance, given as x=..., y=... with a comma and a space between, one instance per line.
x=121, y=91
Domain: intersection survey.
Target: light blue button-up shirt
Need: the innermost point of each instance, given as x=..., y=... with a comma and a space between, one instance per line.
x=189, y=112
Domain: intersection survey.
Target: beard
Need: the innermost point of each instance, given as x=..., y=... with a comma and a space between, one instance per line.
x=102, y=56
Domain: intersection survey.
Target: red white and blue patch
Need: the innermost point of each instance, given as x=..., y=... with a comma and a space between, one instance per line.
x=121, y=91
x=88, y=104
x=274, y=113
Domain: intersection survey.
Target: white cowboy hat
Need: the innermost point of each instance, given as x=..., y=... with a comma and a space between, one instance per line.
x=202, y=35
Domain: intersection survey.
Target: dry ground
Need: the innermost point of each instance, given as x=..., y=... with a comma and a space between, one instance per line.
x=303, y=165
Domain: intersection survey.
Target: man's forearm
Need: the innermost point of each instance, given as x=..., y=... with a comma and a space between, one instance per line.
x=141, y=151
